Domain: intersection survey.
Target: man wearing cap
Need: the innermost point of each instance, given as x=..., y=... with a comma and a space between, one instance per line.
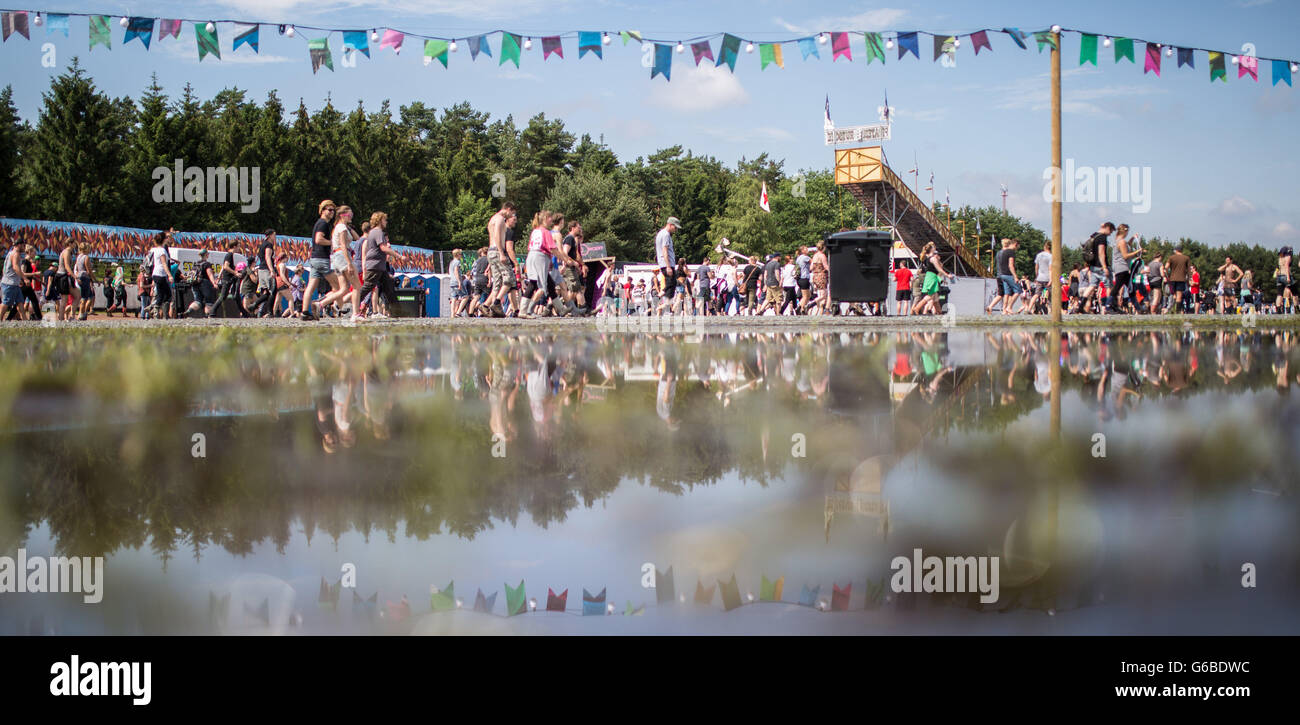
x=665, y=259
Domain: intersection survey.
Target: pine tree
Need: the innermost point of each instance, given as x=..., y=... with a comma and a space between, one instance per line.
x=14, y=137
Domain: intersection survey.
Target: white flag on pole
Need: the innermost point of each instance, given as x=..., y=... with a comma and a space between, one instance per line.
x=762, y=199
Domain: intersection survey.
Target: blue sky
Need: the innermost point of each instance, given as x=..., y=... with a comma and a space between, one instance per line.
x=1220, y=164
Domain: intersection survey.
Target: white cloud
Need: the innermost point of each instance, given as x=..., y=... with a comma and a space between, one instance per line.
x=186, y=49
x=704, y=88
x=1236, y=206
x=1284, y=231
x=878, y=19
x=1033, y=93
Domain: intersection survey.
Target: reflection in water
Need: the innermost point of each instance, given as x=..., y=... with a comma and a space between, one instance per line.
x=825, y=453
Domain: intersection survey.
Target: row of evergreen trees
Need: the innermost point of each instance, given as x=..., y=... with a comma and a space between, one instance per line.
x=91, y=158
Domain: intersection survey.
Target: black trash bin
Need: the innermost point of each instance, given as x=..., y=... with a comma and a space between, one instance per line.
x=859, y=265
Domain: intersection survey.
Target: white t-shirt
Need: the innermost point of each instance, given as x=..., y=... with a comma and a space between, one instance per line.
x=788, y=275
x=339, y=242
x=158, y=256
x=80, y=266
x=728, y=273
x=1044, y=264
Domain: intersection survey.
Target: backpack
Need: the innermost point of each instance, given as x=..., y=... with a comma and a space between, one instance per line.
x=1090, y=253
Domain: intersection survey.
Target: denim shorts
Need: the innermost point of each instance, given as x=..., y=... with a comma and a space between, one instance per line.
x=11, y=295
x=319, y=268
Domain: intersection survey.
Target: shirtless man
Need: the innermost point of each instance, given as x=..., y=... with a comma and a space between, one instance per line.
x=65, y=283
x=1285, y=297
x=501, y=259
x=1231, y=278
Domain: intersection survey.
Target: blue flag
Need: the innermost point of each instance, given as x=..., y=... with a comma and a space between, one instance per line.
x=808, y=46
x=247, y=35
x=907, y=42
x=589, y=43
x=356, y=40
x=663, y=61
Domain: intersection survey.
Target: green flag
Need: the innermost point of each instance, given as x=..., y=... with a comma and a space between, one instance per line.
x=1218, y=68
x=437, y=49
x=770, y=53
x=771, y=591
x=509, y=48
x=1088, y=49
x=319, y=49
x=630, y=35
x=875, y=48
x=445, y=599
x=1045, y=38
x=515, y=602
x=1124, y=49
x=729, y=51
x=208, y=44
x=99, y=32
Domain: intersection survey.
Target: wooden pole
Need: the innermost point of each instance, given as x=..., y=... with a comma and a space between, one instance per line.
x=1056, y=184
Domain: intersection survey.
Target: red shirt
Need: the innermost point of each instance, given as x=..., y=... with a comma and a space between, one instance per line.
x=902, y=278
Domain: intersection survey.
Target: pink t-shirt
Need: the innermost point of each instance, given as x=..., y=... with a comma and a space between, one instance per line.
x=541, y=241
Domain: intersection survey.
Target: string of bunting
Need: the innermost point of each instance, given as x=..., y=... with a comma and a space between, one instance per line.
x=872, y=46
x=517, y=601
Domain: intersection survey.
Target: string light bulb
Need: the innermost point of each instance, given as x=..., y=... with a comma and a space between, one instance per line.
x=459, y=604
x=210, y=26
x=749, y=47
x=397, y=50
x=750, y=595
x=289, y=31
x=1106, y=42
x=821, y=605
x=1295, y=67
x=1056, y=28
x=452, y=46
x=609, y=609
x=38, y=19
x=821, y=38
x=532, y=605
x=956, y=42
x=427, y=60
x=889, y=44
x=605, y=39
x=122, y=22
x=1169, y=52
x=680, y=48
x=528, y=44
x=374, y=35
x=1236, y=59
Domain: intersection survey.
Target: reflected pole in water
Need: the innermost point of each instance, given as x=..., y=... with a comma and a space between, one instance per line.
x=1054, y=376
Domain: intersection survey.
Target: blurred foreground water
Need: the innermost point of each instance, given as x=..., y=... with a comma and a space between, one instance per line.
x=224, y=474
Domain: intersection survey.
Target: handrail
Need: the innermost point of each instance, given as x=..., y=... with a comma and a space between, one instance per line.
x=926, y=213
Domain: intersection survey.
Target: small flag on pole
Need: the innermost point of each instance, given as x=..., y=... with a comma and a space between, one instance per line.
x=827, y=123
x=762, y=199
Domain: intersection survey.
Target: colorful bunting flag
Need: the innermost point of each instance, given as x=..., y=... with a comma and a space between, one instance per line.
x=593, y=606
x=515, y=598
x=484, y=604
x=840, y=46
x=249, y=34
x=630, y=612
x=169, y=27
x=1088, y=49
x=435, y=50
x=15, y=22
x=875, y=47
x=1017, y=36
x=702, y=595
x=509, y=48
x=770, y=53
x=589, y=42
x=1045, y=38
x=551, y=44
x=702, y=50
x=392, y=38
x=1124, y=49
x=808, y=597
x=329, y=594
x=207, y=42
x=729, y=51
x=99, y=32
x=730, y=594
x=444, y=600
x=840, y=597
x=663, y=61
x=365, y=607
x=876, y=590
x=1281, y=71
x=141, y=28
x=1185, y=58
x=479, y=44
x=554, y=602
x=55, y=23
x=908, y=42
x=808, y=46
x=319, y=49
x=771, y=591
x=1153, y=60
x=355, y=40
x=1218, y=67
x=981, y=39
x=397, y=611
x=1248, y=65
x=664, y=590
x=945, y=46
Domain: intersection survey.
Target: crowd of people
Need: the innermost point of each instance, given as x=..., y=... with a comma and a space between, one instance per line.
x=1120, y=277
x=353, y=272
